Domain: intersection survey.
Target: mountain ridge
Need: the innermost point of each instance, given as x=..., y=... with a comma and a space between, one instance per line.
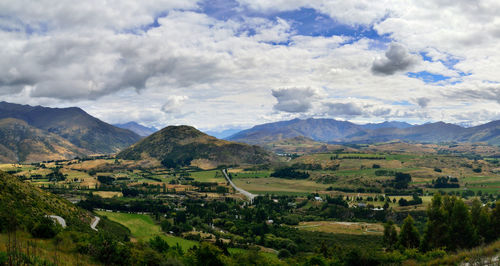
x=74, y=125
x=334, y=131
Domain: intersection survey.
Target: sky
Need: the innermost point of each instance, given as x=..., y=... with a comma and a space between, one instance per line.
x=221, y=64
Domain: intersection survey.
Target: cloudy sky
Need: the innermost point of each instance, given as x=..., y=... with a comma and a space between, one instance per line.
x=221, y=64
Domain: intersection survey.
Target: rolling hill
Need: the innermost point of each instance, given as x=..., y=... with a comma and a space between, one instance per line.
x=73, y=124
x=181, y=145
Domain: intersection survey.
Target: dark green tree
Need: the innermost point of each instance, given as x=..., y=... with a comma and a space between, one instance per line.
x=409, y=237
x=390, y=235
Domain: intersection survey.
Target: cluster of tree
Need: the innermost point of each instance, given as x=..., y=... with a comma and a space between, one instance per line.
x=359, y=189
x=400, y=181
x=289, y=172
x=307, y=166
x=451, y=225
x=142, y=205
x=416, y=200
x=56, y=175
x=445, y=182
x=105, y=180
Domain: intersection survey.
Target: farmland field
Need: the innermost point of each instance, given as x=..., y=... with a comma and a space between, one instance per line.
x=343, y=227
x=279, y=185
x=143, y=228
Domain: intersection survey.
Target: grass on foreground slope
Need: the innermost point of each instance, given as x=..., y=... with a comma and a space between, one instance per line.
x=488, y=255
x=25, y=202
x=46, y=252
x=144, y=228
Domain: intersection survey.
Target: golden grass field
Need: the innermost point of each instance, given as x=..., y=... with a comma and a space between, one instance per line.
x=349, y=228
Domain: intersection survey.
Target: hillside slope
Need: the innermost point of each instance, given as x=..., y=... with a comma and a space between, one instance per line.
x=73, y=124
x=20, y=142
x=179, y=145
x=23, y=204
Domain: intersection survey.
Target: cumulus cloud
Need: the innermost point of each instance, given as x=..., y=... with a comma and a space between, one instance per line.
x=294, y=100
x=423, y=101
x=397, y=58
x=173, y=103
x=104, y=56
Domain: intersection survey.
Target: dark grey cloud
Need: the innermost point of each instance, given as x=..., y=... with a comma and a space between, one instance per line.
x=344, y=109
x=397, y=58
x=423, y=101
x=294, y=100
x=480, y=92
x=381, y=112
x=72, y=67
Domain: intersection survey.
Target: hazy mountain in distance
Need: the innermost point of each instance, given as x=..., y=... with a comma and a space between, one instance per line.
x=330, y=130
x=137, y=128
x=315, y=129
x=387, y=124
x=182, y=145
x=429, y=132
x=74, y=125
x=223, y=134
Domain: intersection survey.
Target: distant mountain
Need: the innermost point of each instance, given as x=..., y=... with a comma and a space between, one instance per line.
x=137, y=128
x=223, y=133
x=182, y=145
x=315, y=129
x=20, y=142
x=430, y=132
x=333, y=131
x=387, y=124
x=73, y=124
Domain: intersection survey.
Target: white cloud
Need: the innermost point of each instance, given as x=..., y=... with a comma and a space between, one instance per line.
x=95, y=55
x=294, y=100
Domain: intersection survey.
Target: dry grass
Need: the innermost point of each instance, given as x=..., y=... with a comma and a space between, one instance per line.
x=343, y=227
x=271, y=184
x=108, y=194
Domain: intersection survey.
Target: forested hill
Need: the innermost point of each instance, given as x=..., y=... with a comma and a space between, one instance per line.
x=180, y=145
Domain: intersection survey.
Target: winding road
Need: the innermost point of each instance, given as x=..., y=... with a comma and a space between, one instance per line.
x=59, y=219
x=247, y=194
x=95, y=222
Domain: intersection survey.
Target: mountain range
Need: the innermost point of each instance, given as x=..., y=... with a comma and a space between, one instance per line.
x=184, y=145
x=137, y=128
x=34, y=133
x=334, y=131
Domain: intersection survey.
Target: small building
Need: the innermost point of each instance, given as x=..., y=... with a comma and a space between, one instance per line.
x=318, y=199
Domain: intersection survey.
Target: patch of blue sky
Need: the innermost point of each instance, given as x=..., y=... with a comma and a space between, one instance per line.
x=145, y=28
x=303, y=21
x=403, y=103
x=427, y=77
x=17, y=25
